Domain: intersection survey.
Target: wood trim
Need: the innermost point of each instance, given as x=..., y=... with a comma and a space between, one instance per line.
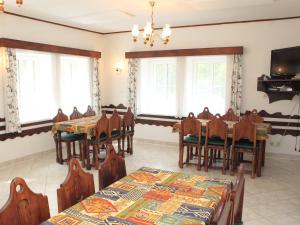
x=120, y=106
x=159, y=116
x=2, y=119
x=36, y=123
x=215, y=24
x=11, y=43
x=263, y=113
x=159, y=28
x=24, y=133
x=50, y=22
x=285, y=132
x=156, y=122
x=2, y=128
x=186, y=52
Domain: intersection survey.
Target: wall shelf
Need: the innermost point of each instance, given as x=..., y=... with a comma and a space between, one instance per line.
x=279, y=89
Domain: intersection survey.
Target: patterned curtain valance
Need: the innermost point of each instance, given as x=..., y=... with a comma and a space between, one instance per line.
x=236, y=84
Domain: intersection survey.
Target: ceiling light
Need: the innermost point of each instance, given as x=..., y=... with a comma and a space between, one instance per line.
x=149, y=31
x=18, y=2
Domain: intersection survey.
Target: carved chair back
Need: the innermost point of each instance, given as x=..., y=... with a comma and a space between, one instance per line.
x=244, y=129
x=230, y=116
x=115, y=122
x=237, y=196
x=223, y=214
x=190, y=126
x=216, y=127
x=205, y=114
x=77, y=186
x=128, y=120
x=75, y=114
x=102, y=126
x=60, y=116
x=23, y=206
x=89, y=112
x=112, y=169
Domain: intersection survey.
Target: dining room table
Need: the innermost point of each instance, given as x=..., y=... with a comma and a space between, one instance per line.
x=262, y=131
x=149, y=196
x=85, y=126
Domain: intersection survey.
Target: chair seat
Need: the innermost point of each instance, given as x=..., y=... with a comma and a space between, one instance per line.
x=115, y=133
x=71, y=136
x=217, y=141
x=103, y=138
x=191, y=139
x=241, y=223
x=246, y=144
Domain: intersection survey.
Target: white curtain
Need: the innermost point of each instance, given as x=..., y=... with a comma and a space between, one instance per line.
x=133, y=68
x=236, y=84
x=96, y=100
x=10, y=81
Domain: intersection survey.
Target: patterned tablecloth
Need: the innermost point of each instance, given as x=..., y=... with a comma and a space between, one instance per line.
x=262, y=129
x=148, y=196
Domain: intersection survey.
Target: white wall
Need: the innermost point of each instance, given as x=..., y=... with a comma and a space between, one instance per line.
x=258, y=40
x=34, y=31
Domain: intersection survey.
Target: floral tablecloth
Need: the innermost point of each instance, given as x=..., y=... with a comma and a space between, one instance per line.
x=148, y=196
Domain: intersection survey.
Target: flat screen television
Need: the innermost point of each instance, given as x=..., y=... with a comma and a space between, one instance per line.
x=285, y=63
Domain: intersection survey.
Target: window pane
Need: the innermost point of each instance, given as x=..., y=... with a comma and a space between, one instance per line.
x=205, y=84
x=75, y=88
x=158, y=87
x=35, y=92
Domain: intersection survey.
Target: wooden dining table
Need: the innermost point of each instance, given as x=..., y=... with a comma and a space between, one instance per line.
x=262, y=131
x=85, y=126
x=149, y=196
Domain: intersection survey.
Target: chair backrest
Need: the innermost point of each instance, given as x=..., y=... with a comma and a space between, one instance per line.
x=244, y=129
x=23, y=206
x=223, y=213
x=230, y=116
x=216, y=127
x=190, y=125
x=128, y=120
x=112, y=169
x=89, y=112
x=253, y=116
x=60, y=117
x=102, y=126
x=75, y=114
x=237, y=196
x=205, y=114
x=115, y=122
x=77, y=186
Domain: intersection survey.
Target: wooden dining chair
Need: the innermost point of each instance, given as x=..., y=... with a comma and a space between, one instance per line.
x=223, y=213
x=89, y=112
x=101, y=138
x=77, y=115
x=205, y=114
x=112, y=169
x=189, y=137
x=67, y=138
x=230, y=116
x=237, y=196
x=24, y=207
x=244, y=142
x=77, y=186
x=115, y=132
x=216, y=140
x=254, y=117
x=128, y=131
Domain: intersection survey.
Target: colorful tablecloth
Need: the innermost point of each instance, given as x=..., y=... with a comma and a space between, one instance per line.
x=148, y=196
x=262, y=129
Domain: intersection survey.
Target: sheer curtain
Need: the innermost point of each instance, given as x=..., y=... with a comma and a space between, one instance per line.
x=157, y=86
x=96, y=101
x=236, y=84
x=133, y=71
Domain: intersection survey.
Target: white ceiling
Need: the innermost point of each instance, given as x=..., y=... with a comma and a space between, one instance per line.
x=120, y=15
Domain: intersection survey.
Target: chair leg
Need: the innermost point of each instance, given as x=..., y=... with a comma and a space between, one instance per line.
x=128, y=144
x=96, y=152
x=123, y=142
x=206, y=159
x=253, y=173
x=74, y=151
x=56, y=147
x=199, y=151
x=180, y=161
x=68, y=151
x=232, y=162
x=188, y=154
x=131, y=144
x=224, y=161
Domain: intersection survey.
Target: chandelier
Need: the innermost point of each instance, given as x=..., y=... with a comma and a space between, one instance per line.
x=18, y=2
x=149, y=31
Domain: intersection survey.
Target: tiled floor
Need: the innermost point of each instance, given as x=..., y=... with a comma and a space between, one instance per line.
x=272, y=199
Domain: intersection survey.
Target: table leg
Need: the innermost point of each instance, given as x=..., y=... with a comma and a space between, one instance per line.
x=87, y=153
x=60, y=158
x=260, y=155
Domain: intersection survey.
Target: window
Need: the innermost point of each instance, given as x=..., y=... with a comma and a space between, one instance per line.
x=179, y=85
x=49, y=81
x=158, y=86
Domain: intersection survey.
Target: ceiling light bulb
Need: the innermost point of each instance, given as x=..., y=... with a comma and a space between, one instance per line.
x=135, y=30
x=167, y=30
x=19, y=2
x=1, y=6
x=148, y=29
